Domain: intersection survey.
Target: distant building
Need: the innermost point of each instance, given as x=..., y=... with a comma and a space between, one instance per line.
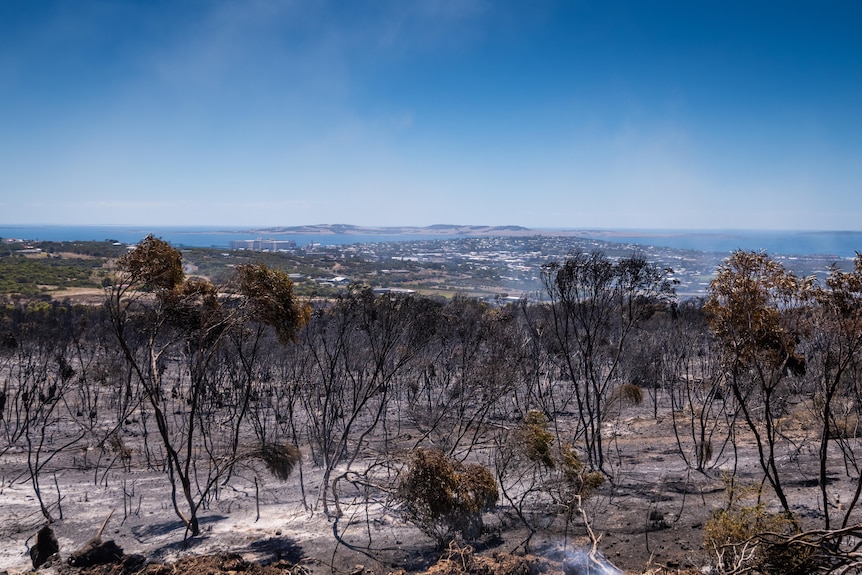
x=242, y=244
x=261, y=245
x=387, y=290
x=337, y=280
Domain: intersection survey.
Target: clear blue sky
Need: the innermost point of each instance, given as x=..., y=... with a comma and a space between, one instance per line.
x=638, y=114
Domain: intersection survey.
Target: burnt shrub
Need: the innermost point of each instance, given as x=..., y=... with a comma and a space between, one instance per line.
x=533, y=439
x=445, y=498
x=739, y=538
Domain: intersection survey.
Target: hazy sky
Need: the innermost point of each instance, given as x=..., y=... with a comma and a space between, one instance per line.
x=639, y=114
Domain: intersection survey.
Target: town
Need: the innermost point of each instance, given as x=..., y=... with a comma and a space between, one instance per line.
x=491, y=267
x=495, y=268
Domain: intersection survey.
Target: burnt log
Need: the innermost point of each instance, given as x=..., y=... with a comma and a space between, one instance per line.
x=96, y=552
x=46, y=546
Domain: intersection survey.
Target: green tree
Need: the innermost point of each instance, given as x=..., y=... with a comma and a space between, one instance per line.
x=269, y=292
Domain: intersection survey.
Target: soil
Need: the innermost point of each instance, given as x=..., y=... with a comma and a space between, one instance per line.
x=648, y=519
x=80, y=296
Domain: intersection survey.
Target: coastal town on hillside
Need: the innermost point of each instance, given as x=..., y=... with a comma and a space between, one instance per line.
x=499, y=265
x=497, y=268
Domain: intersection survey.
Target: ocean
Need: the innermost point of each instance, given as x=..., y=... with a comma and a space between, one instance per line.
x=831, y=243
x=190, y=236
x=842, y=244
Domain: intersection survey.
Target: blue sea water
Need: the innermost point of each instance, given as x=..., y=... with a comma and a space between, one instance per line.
x=190, y=236
x=839, y=244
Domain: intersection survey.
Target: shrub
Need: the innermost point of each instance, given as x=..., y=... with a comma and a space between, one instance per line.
x=846, y=426
x=445, y=498
x=534, y=440
x=580, y=481
x=625, y=394
x=735, y=536
x=280, y=458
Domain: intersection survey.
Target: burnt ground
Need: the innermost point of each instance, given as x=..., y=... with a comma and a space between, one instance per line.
x=649, y=519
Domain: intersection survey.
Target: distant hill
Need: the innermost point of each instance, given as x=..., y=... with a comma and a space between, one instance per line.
x=441, y=229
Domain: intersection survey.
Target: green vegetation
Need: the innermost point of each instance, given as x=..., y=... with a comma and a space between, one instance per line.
x=103, y=249
x=31, y=276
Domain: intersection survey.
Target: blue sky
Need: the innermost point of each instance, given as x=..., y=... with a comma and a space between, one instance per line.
x=689, y=114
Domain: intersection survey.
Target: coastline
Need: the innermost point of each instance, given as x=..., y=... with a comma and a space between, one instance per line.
x=841, y=244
